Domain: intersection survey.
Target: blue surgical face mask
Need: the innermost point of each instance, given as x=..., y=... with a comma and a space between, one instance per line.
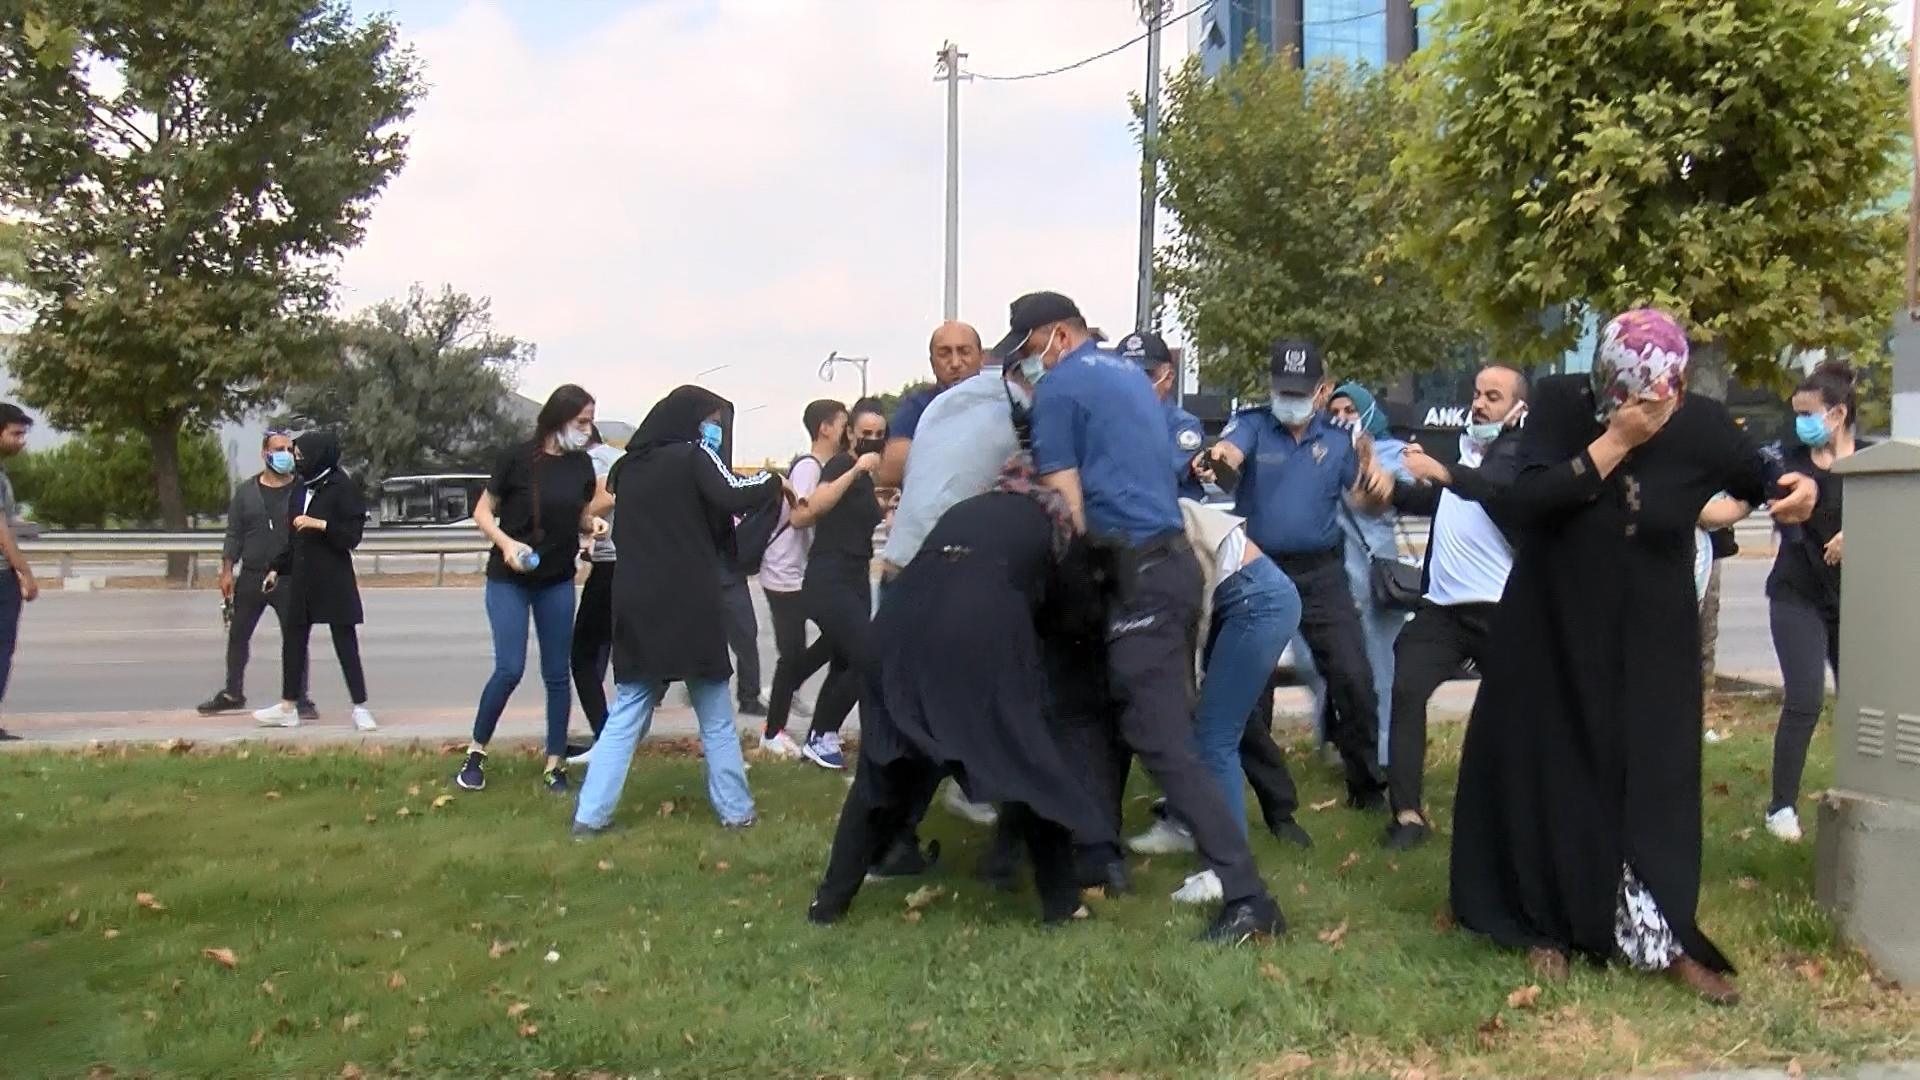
x=281, y=462
x=1812, y=429
x=1292, y=409
x=1485, y=433
x=710, y=435
x=1033, y=369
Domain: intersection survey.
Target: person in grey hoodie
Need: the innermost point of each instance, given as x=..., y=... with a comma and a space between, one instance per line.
x=256, y=535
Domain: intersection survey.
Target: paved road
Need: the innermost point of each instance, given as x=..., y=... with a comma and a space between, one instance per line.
x=427, y=653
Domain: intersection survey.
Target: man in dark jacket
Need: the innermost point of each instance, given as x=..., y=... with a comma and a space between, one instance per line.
x=1469, y=553
x=256, y=535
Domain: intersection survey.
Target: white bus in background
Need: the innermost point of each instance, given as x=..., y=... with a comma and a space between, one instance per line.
x=442, y=499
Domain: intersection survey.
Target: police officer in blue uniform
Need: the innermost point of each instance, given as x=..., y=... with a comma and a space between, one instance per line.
x=1294, y=468
x=1094, y=421
x=1184, y=432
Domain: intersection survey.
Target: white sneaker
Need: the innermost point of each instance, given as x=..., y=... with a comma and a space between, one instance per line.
x=1165, y=838
x=363, y=719
x=1785, y=824
x=1201, y=888
x=280, y=715
x=981, y=814
x=584, y=757
x=780, y=746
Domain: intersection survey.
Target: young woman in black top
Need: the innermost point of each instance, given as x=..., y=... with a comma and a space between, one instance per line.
x=1803, y=591
x=540, y=501
x=837, y=592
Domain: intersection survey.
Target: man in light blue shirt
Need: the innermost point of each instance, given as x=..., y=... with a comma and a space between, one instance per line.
x=963, y=441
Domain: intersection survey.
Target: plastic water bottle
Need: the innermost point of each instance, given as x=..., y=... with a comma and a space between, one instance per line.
x=528, y=561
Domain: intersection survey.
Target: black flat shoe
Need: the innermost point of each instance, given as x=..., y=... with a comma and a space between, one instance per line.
x=1244, y=920
x=1367, y=801
x=821, y=913
x=1405, y=835
x=1112, y=878
x=905, y=859
x=1291, y=832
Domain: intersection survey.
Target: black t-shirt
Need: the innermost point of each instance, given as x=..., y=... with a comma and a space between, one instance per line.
x=843, y=537
x=1800, y=568
x=566, y=484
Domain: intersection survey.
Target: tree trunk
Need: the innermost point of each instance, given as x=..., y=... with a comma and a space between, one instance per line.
x=165, y=442
x=1708, y=376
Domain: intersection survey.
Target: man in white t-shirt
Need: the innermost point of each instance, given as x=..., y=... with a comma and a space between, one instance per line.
x=782, y=570
x=1468, y=559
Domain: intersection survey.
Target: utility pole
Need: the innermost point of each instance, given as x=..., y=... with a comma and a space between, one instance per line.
x=1906, y=338
x=947, y=66
x=1144, y=307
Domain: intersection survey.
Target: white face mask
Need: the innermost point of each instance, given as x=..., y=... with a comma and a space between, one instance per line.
x=1292, y=409
x=572, y=438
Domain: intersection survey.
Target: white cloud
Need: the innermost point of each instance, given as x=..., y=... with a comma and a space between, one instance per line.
x=755, y=183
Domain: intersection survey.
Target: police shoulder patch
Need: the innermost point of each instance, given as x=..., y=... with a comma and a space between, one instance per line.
x=1189, y=440
x=1231, y=424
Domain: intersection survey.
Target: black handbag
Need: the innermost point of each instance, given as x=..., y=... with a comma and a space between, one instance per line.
x=1392, y=582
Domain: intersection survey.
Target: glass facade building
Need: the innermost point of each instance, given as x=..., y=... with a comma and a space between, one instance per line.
x=1372, y=32
x=1351, y=31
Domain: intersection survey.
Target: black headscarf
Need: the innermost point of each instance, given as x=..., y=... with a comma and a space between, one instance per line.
x=319, y=454
x=677, y=418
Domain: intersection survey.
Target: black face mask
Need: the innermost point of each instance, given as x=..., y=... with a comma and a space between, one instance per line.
x=868, y=446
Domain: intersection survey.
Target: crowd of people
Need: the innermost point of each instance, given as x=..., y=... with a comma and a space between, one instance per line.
x=1057, y=596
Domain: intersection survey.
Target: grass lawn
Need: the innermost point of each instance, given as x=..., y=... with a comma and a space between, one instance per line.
x=382, y=923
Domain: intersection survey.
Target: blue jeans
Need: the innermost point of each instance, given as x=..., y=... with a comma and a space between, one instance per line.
x=1255, y=612
x=627, y=724
x=508, y=604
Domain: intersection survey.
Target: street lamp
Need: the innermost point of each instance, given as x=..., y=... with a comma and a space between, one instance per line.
x=826, y=368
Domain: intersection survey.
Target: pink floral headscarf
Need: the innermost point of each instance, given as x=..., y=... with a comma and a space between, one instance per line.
x=1642, y=354
x=1017, y=477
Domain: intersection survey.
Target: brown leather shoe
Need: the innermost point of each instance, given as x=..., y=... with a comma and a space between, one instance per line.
x=1549, y=965
x=1714, y=987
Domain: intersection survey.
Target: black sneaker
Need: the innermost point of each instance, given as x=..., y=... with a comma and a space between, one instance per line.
x=473, y=775
x=1112, y=878
x=1405, y=835
x=555, y=780
x=222, y=702
x=1289, y=830
x=306, y=709
x=8, y=736
x=1243, y=920
x=821, y=913
x=751, y=708
x=905, y=859
x=1368, y=800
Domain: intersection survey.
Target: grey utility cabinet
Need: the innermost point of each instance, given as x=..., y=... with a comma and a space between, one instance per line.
x=1868, y=858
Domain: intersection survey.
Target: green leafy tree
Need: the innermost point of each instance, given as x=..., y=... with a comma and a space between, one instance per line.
x=1288, y=217
x=106, y=478
x=1728, y=161
x=187, y=172
x=418, y=385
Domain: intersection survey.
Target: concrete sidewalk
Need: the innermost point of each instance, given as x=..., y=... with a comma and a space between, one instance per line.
x=1893, y=1071
x=519, y=725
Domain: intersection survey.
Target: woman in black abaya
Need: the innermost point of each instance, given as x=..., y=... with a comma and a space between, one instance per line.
x=1577, y=822
x=964, y=694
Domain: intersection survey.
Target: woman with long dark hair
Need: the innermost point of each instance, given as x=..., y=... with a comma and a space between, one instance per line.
x=837, y=592
x=1803, y=590
x=326, y=516
x=541, y=499
x=678, y=501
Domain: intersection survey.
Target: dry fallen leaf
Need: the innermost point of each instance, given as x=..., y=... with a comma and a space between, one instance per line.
x=518, y=1009
x=147, y=901
x=1746, y=884
x=1269, y=970
x=1328, y=805
x=441, y=800
x=501, y=948
x=351, y=1021
x=177, y=746
x=528, y=1031
x=413, y=791
x=222, y=956
x=1336, y=935
x=1288, y=1065
x=271, y=795
x=922, y=897
x=1811, y=970
x=1348, y=863
x=259, y=1036
x=1488, y=1031
x=666, y=809
x=1795, y=1070
x=919, y=1026
x=350, y=1071
x=1523, y=998
x=417, y=1031
x=912, y=916
x=603, y=865
x=396, y=980
x=73, y=917
x=403, y=812
x=722, y=867
x=110, y=933
x=1412, y=1074
x=1443, y=921
x=267, y=987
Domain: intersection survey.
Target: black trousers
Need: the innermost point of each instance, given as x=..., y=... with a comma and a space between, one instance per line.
x=879, y=812
x=1330, y=623
x=1429, y=651
x=1150, y=646
x=1266, y=765
x=743, y=636
x=839, y=600
x=293, y=661
x=593, y=644
x=795, y=661
x=249, y=603
x=1807, y=641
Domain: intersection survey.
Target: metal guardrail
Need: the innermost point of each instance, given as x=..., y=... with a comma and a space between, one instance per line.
x=465, y=540
x=443, y=541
